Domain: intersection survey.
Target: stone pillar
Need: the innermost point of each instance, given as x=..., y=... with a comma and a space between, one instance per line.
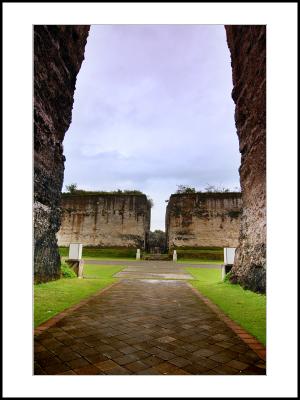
x=58, y=54
x=247, y=45
x=138, y=254
x=77, y=266
x=174, y=255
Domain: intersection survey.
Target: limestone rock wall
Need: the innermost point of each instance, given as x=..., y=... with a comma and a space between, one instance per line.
x=58, y=54
x=203, y=220
x=247, y=46
x=105, y=220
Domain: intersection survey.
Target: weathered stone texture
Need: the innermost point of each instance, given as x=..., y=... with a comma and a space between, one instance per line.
x=105, y=220
x=203, y=220
x=247, y=46
x=58, y=54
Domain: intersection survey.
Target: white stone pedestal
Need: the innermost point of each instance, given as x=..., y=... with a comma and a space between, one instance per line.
x=174, y=255
x=138, y=254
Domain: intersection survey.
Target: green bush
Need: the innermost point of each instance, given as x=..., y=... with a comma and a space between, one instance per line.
x=67, y=272
x=204, y=253
x=227, y=277
x=91, y=252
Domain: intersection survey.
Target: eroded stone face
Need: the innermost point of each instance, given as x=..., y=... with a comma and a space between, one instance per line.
x=203, y=220
x=105, y=220
x=247, y=46
x=58, y=54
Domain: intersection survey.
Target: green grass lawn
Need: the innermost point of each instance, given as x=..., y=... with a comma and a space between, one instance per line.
x=53, y=297
x=246, y=308
x=200, y=253
x=93, y=252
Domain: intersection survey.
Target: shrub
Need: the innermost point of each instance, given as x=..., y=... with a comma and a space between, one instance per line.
x=72, y=188
x=67, y=272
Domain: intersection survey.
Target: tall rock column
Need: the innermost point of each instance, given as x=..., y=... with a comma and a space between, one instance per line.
x=247, y=46
x=58, y=54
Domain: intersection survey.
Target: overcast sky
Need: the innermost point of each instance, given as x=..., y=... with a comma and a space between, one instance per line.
x=153, y=110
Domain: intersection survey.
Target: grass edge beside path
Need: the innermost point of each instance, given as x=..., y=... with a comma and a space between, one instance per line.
x=245, y=307
x=53, y=297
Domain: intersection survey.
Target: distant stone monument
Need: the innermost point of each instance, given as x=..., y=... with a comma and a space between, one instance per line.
x=75, y=261
x=138, y=254
x=175, y=255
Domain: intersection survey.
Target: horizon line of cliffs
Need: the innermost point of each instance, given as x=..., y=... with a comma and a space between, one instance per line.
x=102, y=219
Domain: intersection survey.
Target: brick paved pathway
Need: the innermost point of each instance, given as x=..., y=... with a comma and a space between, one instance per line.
x=144, y=327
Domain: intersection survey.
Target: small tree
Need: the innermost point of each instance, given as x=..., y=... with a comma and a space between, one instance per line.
x=157, y=240
x=185, y=189
x=216, y=189
x=150, y=202
x=72, y=188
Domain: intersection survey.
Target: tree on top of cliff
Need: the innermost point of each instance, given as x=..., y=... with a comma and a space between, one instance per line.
x=72, y=188
x=185, y=189
x=208, y=189
x=219, y=189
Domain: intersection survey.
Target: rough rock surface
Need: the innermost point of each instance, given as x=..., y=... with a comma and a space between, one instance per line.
x=58, y=54
x=203, y=220
x=247, y=46
x=108, y=220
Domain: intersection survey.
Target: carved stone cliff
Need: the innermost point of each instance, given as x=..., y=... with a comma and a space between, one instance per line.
x=247, y=46
x=105, y=220
x=203, y=220
x=58, y=54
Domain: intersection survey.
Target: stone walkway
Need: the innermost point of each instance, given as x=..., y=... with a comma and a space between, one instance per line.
x=144, y=327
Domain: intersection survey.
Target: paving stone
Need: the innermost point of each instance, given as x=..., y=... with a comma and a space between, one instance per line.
x=118, y=371
x=106, y=365
x=226, y=345
x=56, y=368
x=253, y=370
x=38, y=370
x=87, y=351
x=42, y=354
x=223, y=356
x=95, y=358
x=78, y=363
x=220, y=337
x=137, y=366
x=153, y=360
x=87, y=370
x=165, y=355
x=206, y=363
x=180, y=361
x=112, y=354
x=127, y=350
x=69, y=355
x=39, y=348
x=149, y=371
x=224, y=370
x=240, y=366
x=53, y=360
x=169, y=369
x=202, y=353
x=196, y=369
x=126, y=359
x=165, y=339
x=70, y=372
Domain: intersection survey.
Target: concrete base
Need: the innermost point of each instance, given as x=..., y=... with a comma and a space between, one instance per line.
x=77, y=266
